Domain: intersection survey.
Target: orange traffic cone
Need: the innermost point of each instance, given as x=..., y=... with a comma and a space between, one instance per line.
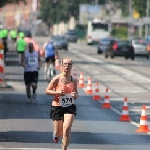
x=89, y=86
x=143, y=121
x=125, y=112
x=57, y=66
x=96, y=93
x=74, y=73
x=106, y=103
x=81, y=81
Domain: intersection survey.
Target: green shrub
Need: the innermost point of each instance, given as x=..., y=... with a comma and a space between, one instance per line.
x=121, y=33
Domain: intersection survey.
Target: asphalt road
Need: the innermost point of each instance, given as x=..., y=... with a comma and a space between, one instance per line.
x=27, y=126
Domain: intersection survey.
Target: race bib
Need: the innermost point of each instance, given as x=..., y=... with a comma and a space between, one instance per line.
x=32, y=61
x=66, y=100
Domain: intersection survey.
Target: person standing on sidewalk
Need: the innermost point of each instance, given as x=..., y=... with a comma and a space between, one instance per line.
x=63, y=110
x=31, y=62
x=20, y=46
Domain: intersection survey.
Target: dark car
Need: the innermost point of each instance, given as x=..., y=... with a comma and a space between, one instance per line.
x=71, y=36
x=120, y=48
x=60, y=42
x=103, y=44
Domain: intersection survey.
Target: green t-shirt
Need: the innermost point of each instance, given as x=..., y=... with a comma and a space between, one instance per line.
x=21, y=45
x=21, y=34
x=13, y=33
x=5, y=33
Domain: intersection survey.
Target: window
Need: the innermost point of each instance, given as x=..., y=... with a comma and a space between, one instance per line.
x=102, y=26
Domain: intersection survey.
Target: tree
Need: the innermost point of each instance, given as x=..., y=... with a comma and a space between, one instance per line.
x=4, y=2
x=140, y=7
x=137, y=5
x=54, y=11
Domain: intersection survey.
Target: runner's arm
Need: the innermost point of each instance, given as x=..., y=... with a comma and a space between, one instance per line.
x=50, y=88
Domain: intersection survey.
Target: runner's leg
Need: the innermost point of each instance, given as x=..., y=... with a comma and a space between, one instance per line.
x=54, y=71
x=34, y=87
x=34, y=83
x=46, y=69
x=28, y=91
x=67, y=124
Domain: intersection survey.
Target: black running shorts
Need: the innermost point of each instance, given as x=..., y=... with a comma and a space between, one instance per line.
x=52, y=58
x=30, y=77
x=57, y=112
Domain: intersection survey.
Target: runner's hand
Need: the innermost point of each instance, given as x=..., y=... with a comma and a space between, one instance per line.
x=74, y=94
x=62, y=92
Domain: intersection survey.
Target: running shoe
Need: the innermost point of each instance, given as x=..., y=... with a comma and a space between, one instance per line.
x=55, y=138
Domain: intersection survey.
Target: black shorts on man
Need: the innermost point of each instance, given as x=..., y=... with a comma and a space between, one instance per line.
x=30, y=77
x=52, y=58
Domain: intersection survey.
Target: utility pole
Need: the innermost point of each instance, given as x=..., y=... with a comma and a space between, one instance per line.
x=147, y=15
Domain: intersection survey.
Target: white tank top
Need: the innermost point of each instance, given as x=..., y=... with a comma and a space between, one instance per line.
x=31, y=61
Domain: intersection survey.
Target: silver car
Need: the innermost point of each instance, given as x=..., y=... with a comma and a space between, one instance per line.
x=140, y=47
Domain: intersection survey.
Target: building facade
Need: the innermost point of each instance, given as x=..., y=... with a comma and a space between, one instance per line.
x=12, y=15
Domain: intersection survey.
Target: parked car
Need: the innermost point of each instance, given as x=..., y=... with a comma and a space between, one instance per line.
x=120, y=48
x=60, y=42
x=71, y=36
x=103, y=43
x=140, y=47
